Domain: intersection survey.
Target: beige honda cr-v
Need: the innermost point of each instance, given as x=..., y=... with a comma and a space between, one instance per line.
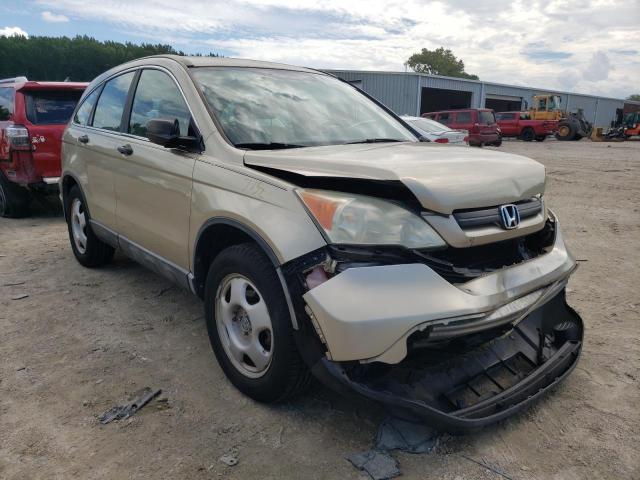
x=325, y=236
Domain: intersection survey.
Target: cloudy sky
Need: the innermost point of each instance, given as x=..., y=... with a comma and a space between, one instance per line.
x=588, y=46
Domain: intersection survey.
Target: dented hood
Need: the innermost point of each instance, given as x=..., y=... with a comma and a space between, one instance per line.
x=442, y=178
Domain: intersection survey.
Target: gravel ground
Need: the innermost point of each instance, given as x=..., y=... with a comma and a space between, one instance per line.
x=84, y=339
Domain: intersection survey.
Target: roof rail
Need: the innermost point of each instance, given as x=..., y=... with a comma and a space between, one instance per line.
x=13, y=80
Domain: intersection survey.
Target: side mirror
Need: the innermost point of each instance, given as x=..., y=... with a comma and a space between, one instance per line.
x=166, y=133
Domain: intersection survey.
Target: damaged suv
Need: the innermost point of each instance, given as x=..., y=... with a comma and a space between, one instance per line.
x=324, y=237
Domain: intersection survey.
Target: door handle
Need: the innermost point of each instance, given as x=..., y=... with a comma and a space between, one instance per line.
x=83, y=139
x=125, y=149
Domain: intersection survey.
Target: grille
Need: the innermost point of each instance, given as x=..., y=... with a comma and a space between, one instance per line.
x=472, y=218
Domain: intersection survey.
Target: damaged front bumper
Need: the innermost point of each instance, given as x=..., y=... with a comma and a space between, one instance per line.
x=459, y=355
x=469, y=385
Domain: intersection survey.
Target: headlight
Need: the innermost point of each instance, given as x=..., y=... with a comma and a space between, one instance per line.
x=358, y=219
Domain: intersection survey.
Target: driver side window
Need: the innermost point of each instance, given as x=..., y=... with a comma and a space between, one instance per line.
x=157, y=97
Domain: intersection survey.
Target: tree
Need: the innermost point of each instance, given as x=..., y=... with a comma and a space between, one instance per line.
x=635, y=97
x=81, y=58
x=438, y=62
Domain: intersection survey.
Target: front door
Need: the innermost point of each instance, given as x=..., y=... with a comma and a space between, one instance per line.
x=153, y=183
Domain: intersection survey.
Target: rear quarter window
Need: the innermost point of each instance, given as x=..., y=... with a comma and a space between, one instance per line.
x=444, y=118
x=51, y=107
x=463, y=117
x=6, y=103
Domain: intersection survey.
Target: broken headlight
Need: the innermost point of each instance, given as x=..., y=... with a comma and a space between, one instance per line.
x=358, y=219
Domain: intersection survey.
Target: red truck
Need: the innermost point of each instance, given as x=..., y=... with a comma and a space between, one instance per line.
x=33, y=116
x=520, y=125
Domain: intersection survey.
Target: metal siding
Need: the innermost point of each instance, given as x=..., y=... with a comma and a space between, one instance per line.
x=398, y=92
x=401, y=93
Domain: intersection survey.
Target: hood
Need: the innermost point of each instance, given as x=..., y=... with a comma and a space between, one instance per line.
x=442, y=178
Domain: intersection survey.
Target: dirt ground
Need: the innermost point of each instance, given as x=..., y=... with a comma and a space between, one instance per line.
x=85, y=339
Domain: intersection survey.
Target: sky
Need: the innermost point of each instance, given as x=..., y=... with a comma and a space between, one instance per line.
x=584, y=46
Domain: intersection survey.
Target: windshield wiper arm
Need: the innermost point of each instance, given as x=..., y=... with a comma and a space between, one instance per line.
x=268, y=146
x=375, y=140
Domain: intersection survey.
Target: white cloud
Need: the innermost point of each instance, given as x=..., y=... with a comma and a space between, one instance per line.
x=518, y=42
x=54, y=17
x=11, y=31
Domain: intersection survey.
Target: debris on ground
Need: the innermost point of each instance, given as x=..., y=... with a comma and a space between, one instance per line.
x=229, y=459
x=13, y=284
x=411, y=437
x=380, y=465
x=20, y=296
x=121, y=412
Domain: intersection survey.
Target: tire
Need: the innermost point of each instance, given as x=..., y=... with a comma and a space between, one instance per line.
x=566, y=131
x=528, y=135
x=89, y=250
x=14, y=199
x=498, y=143
x=239, y=275
x=541, y=138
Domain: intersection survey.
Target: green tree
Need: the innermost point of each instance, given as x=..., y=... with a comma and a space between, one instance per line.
x=635, y=97
x=81, y=58
x=438, y=62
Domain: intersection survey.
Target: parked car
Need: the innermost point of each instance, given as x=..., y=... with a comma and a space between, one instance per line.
x=437, y=132
x=32, y=118
x=479, y=122
x=520, y=125
x=324, y=237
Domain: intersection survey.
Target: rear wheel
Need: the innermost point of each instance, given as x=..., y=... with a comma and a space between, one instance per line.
x=249, y=325
x=528, y=135
x=14, y=199
x=88, y=249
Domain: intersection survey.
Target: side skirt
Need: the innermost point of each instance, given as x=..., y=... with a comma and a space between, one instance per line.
x=145, y=257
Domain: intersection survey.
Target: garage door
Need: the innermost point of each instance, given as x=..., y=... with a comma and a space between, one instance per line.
x=503, y=103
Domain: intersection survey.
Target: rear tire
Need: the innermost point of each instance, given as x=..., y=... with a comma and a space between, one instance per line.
x=528, y=135
x=89, y=250
x=235, y=326
x=14, y=199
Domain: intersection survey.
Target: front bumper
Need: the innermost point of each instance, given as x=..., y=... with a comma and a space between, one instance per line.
x=369, y=313
x=467, y=385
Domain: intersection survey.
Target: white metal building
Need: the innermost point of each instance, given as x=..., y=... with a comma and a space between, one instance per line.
x=410, y=93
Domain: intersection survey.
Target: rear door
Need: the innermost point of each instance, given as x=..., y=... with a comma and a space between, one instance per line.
x=153, y=183
x=92, y=141
x=463, y=120
x=47, y=114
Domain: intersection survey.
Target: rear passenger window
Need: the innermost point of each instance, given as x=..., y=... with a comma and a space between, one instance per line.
x=6, y=103
x=463, y=117
x=108, y=114
x=157, y=96
x=506, y=116
x=84, y=112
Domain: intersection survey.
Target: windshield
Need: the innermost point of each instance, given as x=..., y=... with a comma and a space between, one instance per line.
x=268, y=108
x=428, y=126
x=51, y=107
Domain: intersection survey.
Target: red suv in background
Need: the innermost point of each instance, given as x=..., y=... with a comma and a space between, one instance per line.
x=479, y=122
x=33, y=116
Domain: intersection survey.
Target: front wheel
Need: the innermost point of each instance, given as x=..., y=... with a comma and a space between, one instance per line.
x=528, y=135
x=88, y=249
x=249, y=325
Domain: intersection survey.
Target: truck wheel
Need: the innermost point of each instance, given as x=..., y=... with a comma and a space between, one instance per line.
x=249, y=325
x=566, y=131
x=528, y=134
x=541, y=138
x=88, y=249
x=14, y=199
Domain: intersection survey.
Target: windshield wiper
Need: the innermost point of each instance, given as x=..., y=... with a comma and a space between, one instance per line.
x=374, y=140
x=268, y=146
